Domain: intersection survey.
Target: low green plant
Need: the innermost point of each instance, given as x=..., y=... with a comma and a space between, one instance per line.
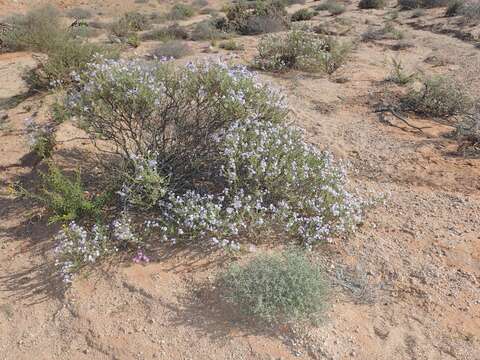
x=302, y=15
x=371, y=4
x=336, y=8
x=440, y=96
x=389, y=31
x=133, y=40
x=275, y=288
x=44, y=143
x=302, y=50
x=231, y=45
x=65, y=198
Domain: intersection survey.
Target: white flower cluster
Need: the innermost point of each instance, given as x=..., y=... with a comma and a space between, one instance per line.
x=77, y=247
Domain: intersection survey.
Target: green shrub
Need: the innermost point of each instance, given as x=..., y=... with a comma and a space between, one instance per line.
x=275, y=288
x=302, y=50
x=181, y=12
x=371, y=4
x=302, y=15
x=79, y=13
x=65, y=198
x=39, y=29
x=256, y=17
x=440, y=97
x=172, y=49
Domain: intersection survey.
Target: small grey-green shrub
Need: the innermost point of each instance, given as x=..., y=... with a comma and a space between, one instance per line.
x=371, y=4
x=439, y=96
x=206, y=30
x=302, y=15
x=181, y=11
x=275, y=288
x=302, y=50
x=256, y=17
x=389, y=31
x=336, y=8
x=172, y=49
x=471, y=11
x=39, y=29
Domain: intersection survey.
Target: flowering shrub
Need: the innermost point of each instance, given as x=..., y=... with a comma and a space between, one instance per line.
x=275, y=288
x=206, y=155
x=146, y=109
x=271, y=180
x=300, y=49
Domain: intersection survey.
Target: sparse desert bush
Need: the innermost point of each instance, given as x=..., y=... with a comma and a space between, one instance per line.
x=200, y=3
x=387, y=32
x=335, y=8
x=79, y=13
x=415, y=4
x=83, y=31
x=172, y=49
x=398, y=74
x=170, y=32
x=275, y=288
x=467, y=133
x=133, y=40
x=302, y=15
x=181, y=11
x=439, y=97
x=39, y=29
x=256, y=17
x=206, y=30
x=130, y=22
x=371, y=4
x=302, y=50
x=418, y=13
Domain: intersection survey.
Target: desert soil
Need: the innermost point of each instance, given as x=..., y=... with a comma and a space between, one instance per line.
x=406, y=285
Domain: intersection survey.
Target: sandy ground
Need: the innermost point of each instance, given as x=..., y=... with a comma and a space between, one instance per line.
x=405, y=286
